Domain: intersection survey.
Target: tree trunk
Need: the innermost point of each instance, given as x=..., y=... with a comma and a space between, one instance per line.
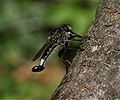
x=95, y=72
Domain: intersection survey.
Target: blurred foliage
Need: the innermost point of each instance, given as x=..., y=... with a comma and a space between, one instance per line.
x=24, y=27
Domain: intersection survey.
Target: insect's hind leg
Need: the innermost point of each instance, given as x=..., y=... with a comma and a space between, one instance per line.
x=64, y=60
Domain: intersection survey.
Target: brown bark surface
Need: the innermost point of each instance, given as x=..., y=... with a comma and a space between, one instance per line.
x=95, y=72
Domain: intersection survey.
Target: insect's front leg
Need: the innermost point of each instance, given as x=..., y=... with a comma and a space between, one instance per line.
x=76, y=37
x=73, y=35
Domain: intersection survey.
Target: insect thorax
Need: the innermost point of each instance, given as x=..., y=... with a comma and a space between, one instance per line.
x=60, y=36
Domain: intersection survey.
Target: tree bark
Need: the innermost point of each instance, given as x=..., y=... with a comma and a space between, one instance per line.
x=95, y=72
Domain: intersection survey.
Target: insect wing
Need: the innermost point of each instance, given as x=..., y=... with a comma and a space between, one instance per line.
x=41, y=51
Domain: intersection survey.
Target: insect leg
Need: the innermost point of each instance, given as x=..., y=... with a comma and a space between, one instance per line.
x=75, y=35
x=64, y=60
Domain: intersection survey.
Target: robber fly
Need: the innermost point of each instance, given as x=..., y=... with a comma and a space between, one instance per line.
x=60, y=37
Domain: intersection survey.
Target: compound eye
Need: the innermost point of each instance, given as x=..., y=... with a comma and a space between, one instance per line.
x=67, y=28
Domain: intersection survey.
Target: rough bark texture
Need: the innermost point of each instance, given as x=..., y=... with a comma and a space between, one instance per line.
x=95, y=72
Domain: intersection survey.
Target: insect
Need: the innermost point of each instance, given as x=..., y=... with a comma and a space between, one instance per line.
x=60, y=37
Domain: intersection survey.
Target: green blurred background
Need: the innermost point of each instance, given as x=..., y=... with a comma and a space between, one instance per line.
x=24, y=27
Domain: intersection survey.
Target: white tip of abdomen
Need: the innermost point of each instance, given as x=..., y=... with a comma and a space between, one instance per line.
x=42, y=62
